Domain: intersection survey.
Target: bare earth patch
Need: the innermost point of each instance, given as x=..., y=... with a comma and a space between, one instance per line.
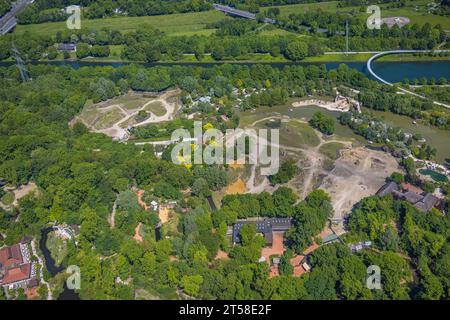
x=23, y=191
x=137, y=235
x=357, y=174
x=163, y=214
x=237, y=187
x=221, y=255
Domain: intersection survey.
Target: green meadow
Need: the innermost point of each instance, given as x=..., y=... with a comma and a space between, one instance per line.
x=173, y=24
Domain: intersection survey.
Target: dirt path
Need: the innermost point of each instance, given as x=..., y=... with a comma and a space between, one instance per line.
x=313, y=156
x=116, y=130
x=112, y=217
x=137, y=235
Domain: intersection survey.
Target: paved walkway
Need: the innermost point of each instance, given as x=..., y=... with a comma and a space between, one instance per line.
x=41, y=271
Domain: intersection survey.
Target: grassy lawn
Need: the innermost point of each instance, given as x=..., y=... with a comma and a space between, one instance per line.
x=298, y=8
x=130, y=102
x=57, y=248
x=108, y=118
x=331, y=149
x=360, y=57
x=173, y=24
x=296, y=134
x=420, y=17
x=8, y=198
x=157, y=108
x=412, y=57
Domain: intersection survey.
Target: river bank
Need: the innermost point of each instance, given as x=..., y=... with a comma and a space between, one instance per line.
x=254, y=59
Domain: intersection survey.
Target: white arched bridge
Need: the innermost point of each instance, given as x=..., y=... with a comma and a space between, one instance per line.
x=385, y=53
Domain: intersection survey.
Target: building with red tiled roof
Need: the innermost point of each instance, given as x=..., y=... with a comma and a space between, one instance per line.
x=409, y=187
x=10, y=256
x=16, y=274
x=16, y=270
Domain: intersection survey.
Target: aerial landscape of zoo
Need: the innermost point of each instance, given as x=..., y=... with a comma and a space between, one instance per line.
x=136, y=138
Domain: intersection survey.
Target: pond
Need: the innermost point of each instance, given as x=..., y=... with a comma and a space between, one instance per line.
x=437, y=138
x=302, y=113
x=51, y=267
x=436, y=176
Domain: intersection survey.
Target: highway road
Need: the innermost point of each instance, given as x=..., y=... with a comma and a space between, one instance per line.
x=9, y=21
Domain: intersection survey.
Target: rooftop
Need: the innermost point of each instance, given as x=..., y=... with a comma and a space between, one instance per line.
x=414, y=195
x=265, y=226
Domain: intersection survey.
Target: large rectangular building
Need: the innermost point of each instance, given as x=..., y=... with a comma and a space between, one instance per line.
x=265, y=226
x=16, y=269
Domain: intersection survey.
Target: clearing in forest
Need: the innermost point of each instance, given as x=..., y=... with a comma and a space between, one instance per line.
x=115, y=116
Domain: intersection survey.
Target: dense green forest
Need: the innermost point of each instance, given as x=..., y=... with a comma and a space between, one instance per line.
x=81, y=174
x=5, y=6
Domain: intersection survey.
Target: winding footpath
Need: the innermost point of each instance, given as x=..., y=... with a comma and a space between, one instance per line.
x=41, y=270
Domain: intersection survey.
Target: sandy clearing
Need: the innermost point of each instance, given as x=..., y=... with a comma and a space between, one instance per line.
x=222, y=255
x=238, y=187
x=118, y=132
x=357, y=174
x=23, y=191
x=163, y=214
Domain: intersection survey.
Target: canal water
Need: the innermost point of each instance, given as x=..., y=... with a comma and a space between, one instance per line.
x=394, y=71
x=51, y=267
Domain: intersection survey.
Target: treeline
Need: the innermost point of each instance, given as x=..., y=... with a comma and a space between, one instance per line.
x=241, y=206
x=50, y=11
x=149, y=45
x=406, y=105
x=5, y=6
x=355, y=3
x=332, y=25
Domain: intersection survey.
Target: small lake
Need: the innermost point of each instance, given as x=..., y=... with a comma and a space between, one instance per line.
x=51, y=267
x=437, y=138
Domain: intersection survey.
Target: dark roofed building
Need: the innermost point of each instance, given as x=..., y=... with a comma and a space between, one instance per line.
x=409, y=196
x=3, y=182
x=388, y=188
x=412, y=194
x=67, y=47
x=427, y=203
x=25, y=239
x=266, y=227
